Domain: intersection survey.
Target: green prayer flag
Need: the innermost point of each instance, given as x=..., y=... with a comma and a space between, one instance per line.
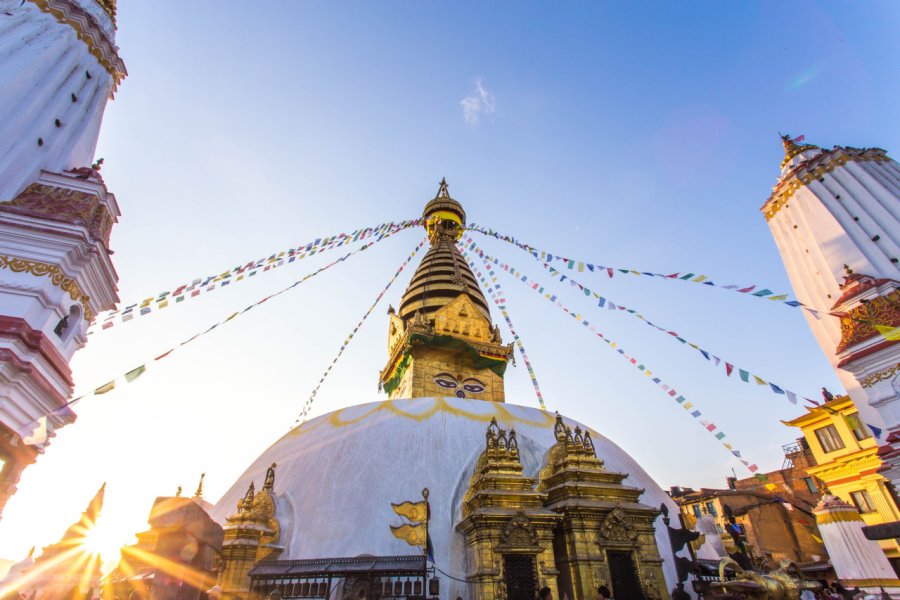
x=745, y=376
x=135, y=373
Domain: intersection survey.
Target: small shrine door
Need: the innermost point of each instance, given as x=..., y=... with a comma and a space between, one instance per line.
x=624, y=576
x=519, y=576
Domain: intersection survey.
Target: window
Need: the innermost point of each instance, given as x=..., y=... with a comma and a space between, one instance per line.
x=711, y=508
x=859, y=429
x=829, y=438
x=863, y=501
x=811, y=484
x=696, y=508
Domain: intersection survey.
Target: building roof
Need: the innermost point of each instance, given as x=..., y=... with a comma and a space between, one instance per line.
x=342, y=567
x=815, y=413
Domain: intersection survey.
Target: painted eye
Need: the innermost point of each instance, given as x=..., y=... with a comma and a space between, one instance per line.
x=445, y=380
x=473, y=386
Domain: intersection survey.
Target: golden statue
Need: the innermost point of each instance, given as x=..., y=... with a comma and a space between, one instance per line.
x=775, y=585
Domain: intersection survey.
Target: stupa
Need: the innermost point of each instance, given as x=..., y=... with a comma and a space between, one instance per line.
x=518, y=498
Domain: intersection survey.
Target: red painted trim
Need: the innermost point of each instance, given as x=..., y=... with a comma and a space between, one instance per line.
x=864, y=353
x=7, y=355
x=19, y=329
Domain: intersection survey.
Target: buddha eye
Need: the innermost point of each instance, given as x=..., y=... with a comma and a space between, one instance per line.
x=445, y=380
x=473, y=386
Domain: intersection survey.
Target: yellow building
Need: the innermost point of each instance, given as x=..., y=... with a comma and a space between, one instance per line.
x=847, y=461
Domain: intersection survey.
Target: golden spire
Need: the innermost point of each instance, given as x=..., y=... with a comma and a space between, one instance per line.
x=443, y=273
x=199, y=492
x=792, y=148
x=269, y=484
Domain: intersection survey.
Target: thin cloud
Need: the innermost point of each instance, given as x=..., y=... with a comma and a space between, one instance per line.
x=479, y=102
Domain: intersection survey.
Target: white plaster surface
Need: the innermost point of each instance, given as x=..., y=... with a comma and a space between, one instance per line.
x=338, y=474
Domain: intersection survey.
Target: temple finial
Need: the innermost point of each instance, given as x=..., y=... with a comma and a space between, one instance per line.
x=199, y=492
x=269, y=484
x=247, y=503
x=443, y=192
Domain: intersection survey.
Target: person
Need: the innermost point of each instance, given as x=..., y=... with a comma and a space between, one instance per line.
x=604, y=593
x=678, y=592
x=545, y=594
x=807, y=595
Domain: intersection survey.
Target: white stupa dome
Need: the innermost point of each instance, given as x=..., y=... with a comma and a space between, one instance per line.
x=338, y=474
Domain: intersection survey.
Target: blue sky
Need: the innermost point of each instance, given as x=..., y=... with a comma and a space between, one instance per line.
x=633, y=135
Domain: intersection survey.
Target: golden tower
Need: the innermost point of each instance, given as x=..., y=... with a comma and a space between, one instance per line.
x=441, y=341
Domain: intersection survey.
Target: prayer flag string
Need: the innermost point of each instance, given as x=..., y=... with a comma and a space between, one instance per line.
x=493, y=288
x=240, y=273
x=132, y=374
x=580, y=266
x=308, y=404
x=688, y=406
x=728, y=367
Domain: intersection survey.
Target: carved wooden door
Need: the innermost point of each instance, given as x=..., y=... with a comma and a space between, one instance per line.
x=625, y=582
x=519, y=575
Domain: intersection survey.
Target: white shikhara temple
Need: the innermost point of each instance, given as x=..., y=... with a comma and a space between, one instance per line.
x=835, y=217
x=58, y=67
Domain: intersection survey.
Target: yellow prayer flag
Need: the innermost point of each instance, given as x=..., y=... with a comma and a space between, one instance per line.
x=163, y=304
x=759, y=381
x=414, y=535
x=688, y=405
x=771, y=487
x=106, y=387
x=889, y=333
x=699, y=278
x=415, y=512
x=817, y=538
x=581, y=267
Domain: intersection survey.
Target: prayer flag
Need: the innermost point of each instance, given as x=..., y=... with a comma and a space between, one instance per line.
x=728, y=368
x=876, y=431
x=415, y=512
x=135, y=373
x=414, y=535
x=889, y=333
x=745, y=376
x=776, y=389
x=759, y=381
x=762, y=292
x=106, y=387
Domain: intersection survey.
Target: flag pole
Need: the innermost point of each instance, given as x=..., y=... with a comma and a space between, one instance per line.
x=425, y=549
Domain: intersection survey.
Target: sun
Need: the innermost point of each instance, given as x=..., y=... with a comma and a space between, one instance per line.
x=101, y=539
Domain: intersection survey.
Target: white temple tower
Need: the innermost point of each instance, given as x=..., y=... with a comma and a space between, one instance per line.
x=58, y=67
x=857, y=561
x=835, y=217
